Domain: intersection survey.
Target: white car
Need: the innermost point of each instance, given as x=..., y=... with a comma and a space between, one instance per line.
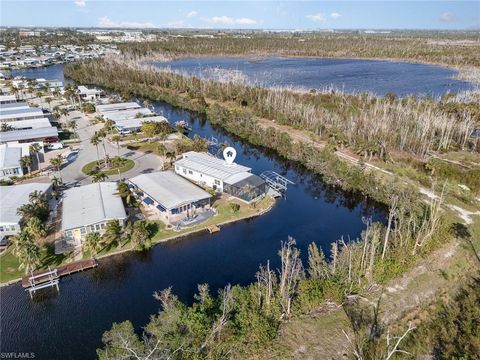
x=55, y=146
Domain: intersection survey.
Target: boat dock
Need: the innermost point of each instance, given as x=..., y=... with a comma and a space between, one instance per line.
x=49, y=278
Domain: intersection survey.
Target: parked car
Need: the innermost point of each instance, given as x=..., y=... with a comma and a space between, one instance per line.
x=55, y=146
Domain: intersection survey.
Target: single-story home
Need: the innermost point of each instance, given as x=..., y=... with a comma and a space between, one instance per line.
x=170, y=196
x=134, y=125
x=10, y=161
x=29, y=124
x=7, y=99
x=29, y=135
x=13, y=197
x=233, y=179
x=89, y=94
x=20, y=114
x=120, y=115
x=89, y=208
x=117, y=106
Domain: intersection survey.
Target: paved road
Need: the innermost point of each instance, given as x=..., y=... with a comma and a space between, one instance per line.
x=72, y=172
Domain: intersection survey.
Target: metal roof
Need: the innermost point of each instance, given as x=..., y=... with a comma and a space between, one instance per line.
x=19, y=113
x=125, y=114
x=29, y=124
x=169, y=189
x=117, y=106
x=14, y=196
x=136, y=123
x=14, y=105
x=209, y=165
x=28, y=134
x=91, y=204
x=7, y=98
x=84, y=90
x=10, y=157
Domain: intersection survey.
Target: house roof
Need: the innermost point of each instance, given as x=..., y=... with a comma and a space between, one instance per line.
x=169, y=189
x=14, y=196
x=209, y=165
x=117, y=106
x=18, y=113
x=136, y=123
x=84, y=90
x=28, y=134
x=30, y=123
x=91, y=204
x=10, y=156
x=241, y=179
x=14, y=105
x=125, y=114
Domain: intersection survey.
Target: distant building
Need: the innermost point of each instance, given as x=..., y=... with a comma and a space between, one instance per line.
x=134, y=125
x=10, y=161
x=117, y=106
x=233, y=179
x=12, y=198
x=87, y=94
x=88, y=208
x=20, y=114
x=7, y=99
x=170, y=196
x=128, y=114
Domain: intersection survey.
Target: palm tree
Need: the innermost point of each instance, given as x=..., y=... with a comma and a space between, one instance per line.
x=113, y=232
x=26, y=161
x=117, y=139
x=27, y=251
x=72, y=124
x=5, y=127
x=57, y=162
x=125, y=193
x=64, y=112
x=92, y=243
x=99, y=177
x=140, y=236
x=35, y=149
x=36, y=228
x=108, y=126
x=95, y=140
x=102, y=135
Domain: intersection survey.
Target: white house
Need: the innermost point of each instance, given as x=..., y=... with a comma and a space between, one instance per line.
x=233, y=179
x=89, y=94
x=7, y=99
x=10, y=161
x=20, y=114
x=13, y=197
x=170, y=196
x=88, y=208
x=134, y=125
x=117, y=106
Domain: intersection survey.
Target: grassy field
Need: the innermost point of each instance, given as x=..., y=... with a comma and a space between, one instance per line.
x=126, y=165
x=146, y=147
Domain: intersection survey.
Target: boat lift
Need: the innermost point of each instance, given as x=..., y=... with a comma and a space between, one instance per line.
x=42, y=280
x=276, y=182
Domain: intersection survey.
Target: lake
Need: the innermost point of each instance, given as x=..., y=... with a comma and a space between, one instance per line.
x=69, y=324
x=351, y=76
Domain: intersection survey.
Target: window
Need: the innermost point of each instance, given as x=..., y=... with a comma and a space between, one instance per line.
x=217, y=182
x=97, y=227
x=83, y=231
x=102, y=225
x=184, y=171
x=177, y=167
x=68, y=234
x=190, y=172
x=1, y=228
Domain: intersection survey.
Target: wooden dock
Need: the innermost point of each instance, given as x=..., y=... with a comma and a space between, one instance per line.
x=213, y=229
x=40, y=278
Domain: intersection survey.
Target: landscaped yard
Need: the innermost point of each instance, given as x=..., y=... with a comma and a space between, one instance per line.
x=9, y=263
x=123, y=166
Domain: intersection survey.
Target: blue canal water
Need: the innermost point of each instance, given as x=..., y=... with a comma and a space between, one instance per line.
x=70, y=324
x=348, y=75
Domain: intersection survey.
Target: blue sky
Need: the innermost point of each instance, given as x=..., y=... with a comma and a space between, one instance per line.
x=244, y=14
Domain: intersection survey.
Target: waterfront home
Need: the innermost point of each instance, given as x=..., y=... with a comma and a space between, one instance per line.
x=233, y=179
x=10, y=161
x=171, y=198
x=89, y=208
x=87, y=94
x=128, y=114
x=12, y=198
x=116, y=107
x=134, y=125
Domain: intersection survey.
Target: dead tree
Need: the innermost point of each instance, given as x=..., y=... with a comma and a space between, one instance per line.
x=392, y=214
x=290, y=274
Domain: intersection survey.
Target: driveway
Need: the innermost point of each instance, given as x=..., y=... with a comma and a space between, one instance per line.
x=72, y=172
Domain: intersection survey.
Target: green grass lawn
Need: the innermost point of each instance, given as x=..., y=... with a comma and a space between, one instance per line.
x=9, y=264
x=224, y=214
x=125, y=166
x=148, y=147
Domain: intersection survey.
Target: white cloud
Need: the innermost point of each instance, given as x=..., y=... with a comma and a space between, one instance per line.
x=317, y=17
x=226, y=20
x=177, y=24
x=80, y=3
x=106, y=22
x=192, y=14
x=448, y=17
x=335, y=15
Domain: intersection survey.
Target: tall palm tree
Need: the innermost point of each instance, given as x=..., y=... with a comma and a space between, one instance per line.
x=113, y=232
x=36, y=228
x=102, y=135
x=94, y=140
x=57, y=162
x=92, y=243
x=35, y=149
x=117, y=139
x=27, y=251
x=26, y=161
x=72, y=124
x=99, y=177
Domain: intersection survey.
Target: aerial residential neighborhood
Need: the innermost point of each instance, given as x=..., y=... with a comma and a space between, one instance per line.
x=226, y=180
